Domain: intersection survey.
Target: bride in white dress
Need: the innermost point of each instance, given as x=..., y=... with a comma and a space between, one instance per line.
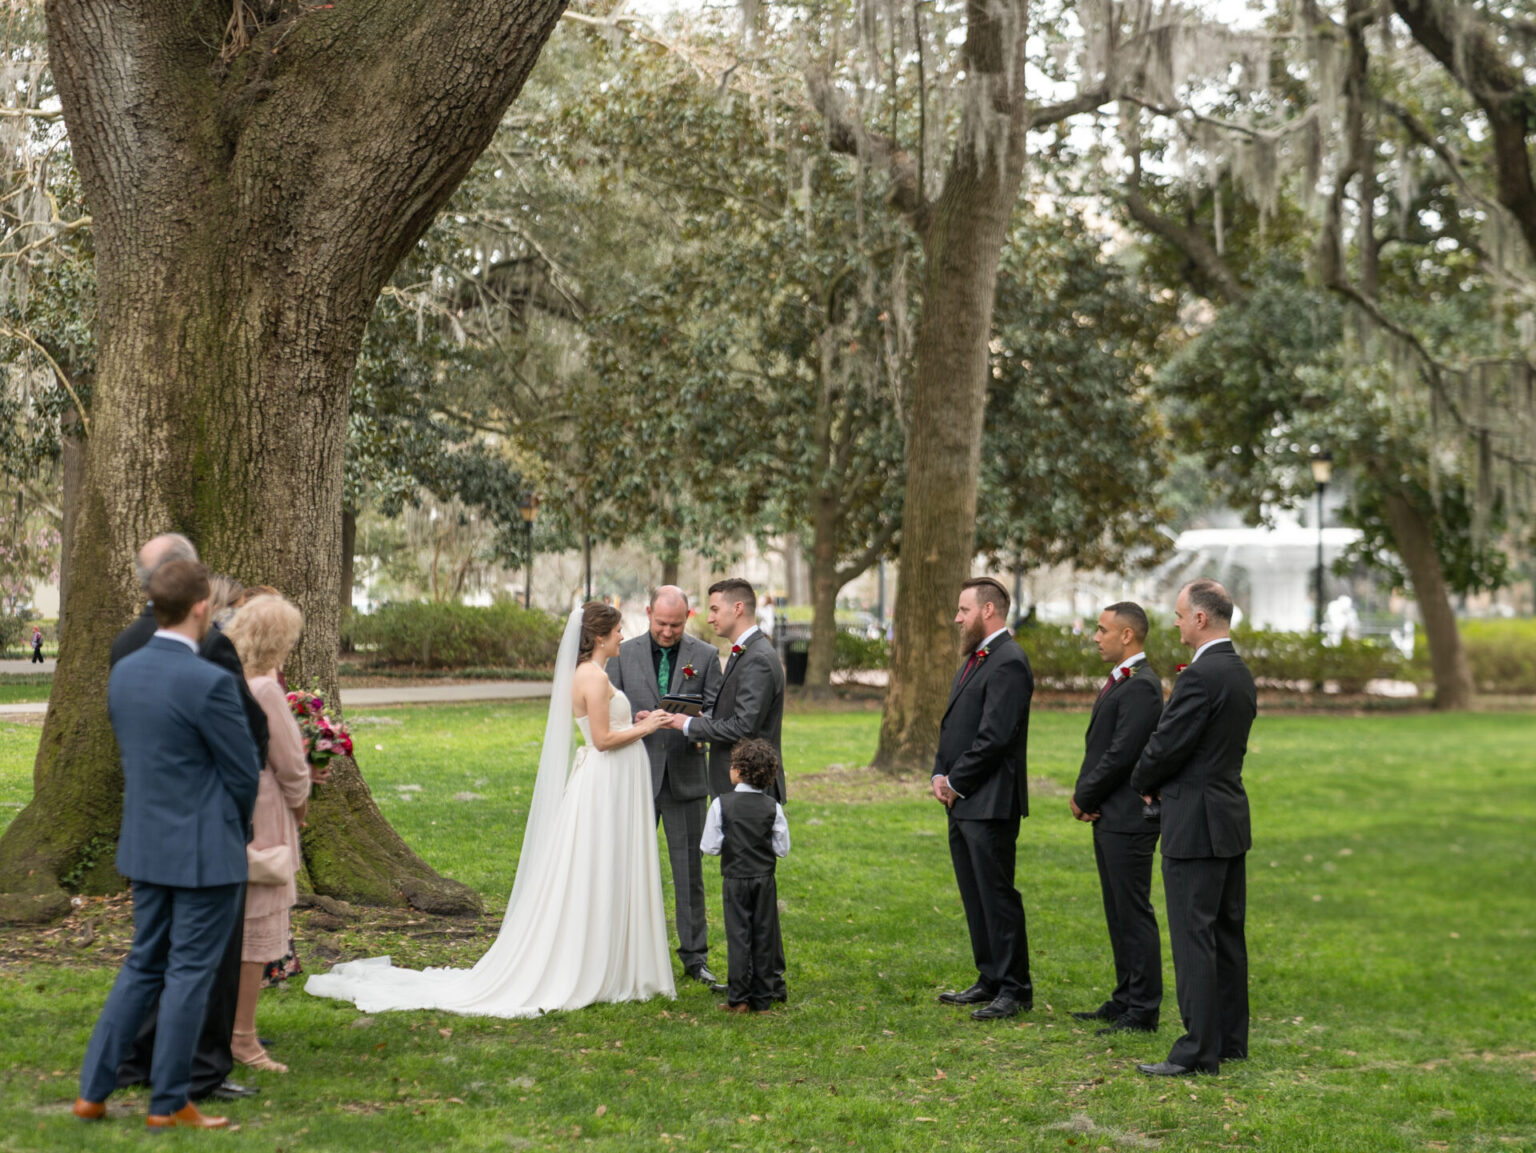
x=585, y=922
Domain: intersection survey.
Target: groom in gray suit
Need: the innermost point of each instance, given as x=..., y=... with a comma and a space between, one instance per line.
x=751, y=698
x=667, y=660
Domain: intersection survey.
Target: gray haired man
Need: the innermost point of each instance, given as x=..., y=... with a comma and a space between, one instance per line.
x=666, y=660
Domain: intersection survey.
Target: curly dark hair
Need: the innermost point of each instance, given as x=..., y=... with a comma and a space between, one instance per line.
x=756, y=761
x=597, y=621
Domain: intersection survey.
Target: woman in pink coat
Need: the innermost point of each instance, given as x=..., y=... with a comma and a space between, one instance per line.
x=264, y=632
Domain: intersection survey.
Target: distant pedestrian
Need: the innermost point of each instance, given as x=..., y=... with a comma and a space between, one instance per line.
x=765, y=616
x=37, y=645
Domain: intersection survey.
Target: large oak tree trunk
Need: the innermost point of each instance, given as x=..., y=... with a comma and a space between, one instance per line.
x=245, y=220
x=962, y=238
x=1414, y=535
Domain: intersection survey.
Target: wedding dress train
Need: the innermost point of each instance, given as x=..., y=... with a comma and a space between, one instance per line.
x=585, y=922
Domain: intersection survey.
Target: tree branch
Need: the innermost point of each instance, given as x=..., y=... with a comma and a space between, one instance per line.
x=1190, y=242
x=1460, y=39
x=847, y=135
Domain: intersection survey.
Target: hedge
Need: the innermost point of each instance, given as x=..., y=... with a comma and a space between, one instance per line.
x=437, y=636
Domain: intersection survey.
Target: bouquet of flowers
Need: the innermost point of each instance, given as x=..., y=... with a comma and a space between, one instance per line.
x=323, y=737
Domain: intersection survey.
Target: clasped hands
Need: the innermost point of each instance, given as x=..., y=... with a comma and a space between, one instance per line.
x=942, y=793
x=664, y=719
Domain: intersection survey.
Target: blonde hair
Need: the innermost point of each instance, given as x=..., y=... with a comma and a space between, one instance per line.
x=264, y=631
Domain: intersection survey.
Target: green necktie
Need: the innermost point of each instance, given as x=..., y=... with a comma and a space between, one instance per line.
x=664, y=672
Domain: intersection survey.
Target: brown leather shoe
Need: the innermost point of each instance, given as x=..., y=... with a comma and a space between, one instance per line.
x=728, y=1008
x=90, y=1110
x=187, y=1117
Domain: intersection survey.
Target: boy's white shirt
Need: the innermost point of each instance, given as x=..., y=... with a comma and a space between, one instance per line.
x=714, y=832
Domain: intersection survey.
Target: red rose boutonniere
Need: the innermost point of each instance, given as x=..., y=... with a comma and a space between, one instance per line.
x=688, y=673
x=1180, y=669
x=1127, y=671
x=983, y=654
x=737, y=650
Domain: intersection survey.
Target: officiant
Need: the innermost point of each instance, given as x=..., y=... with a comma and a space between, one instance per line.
x=667, y=661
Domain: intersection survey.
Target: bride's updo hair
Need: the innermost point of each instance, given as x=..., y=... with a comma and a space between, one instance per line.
x=597, y=621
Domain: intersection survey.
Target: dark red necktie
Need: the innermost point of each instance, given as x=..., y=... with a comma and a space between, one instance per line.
x=1109, y=683
x=970, y=663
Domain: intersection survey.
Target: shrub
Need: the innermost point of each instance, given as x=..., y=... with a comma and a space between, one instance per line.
x=1277, y=659
x=857, y=654
x=438, y=636
x=1502, y=655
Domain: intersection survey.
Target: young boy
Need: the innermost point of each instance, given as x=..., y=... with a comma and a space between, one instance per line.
x=746, y=829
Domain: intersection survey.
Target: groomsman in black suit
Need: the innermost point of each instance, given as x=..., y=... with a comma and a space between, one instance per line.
x=1194, y=761
x=979, y=775
x=1124, y=839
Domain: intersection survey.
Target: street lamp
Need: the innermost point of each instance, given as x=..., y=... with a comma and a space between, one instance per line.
x=1322, y=472
x=528, y=506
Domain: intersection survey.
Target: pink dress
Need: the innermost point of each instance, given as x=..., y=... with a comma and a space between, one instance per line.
x=284, y=788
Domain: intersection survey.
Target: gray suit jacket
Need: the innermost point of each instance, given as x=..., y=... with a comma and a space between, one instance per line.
x=750, y=704
x=673, y=756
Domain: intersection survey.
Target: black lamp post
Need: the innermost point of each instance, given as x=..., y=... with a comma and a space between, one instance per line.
x=1322, y=473
x=528, y=506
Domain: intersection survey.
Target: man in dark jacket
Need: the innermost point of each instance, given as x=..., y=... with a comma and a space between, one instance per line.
x=212, y=1061
x=1194, y=762
x=1124, y=839
x=979, y=775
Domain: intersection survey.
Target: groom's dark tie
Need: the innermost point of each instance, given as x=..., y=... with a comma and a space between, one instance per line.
x=664, y=671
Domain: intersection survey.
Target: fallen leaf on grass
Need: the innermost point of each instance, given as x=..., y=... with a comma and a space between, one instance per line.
x=602, y=1110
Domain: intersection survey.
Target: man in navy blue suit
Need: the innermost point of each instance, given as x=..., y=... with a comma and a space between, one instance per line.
x=190, y=769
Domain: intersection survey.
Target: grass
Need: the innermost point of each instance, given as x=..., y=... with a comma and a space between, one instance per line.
x=1390, y=928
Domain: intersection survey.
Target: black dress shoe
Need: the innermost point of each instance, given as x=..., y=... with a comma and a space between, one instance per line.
x=1126, y=1024
x=1104, y=1012
x=1167, y=1069
x=229, y=1091
x=703, y=975
x=977, y=994
x=1001, y=1006
x=717, y=987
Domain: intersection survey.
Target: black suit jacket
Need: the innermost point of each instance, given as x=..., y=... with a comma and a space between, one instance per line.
x=217, y=648
x=1123, y=718
x=984, y=737
x=1195, y=758
x=748, y=703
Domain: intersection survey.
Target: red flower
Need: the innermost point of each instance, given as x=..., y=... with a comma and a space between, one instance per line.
x=737, y=650
x=688, y=673
x=982, y=654
x=1180, y=668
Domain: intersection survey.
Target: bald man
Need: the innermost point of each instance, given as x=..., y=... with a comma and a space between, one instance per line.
x=667, y=660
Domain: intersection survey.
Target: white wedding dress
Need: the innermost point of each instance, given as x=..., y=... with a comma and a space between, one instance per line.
x=585, y=922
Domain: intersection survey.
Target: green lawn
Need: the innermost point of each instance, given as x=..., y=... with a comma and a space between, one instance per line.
x=1390, y=930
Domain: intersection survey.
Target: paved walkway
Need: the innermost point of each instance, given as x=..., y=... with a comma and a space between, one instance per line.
x=26, y=666
x=377, y=698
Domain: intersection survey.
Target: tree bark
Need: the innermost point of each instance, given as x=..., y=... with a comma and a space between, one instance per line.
x=1414, y=534
x=826, y=536
x=246, y=218
x=671, y=557
x=962, y=237
x=72, y=482
x=348, y=563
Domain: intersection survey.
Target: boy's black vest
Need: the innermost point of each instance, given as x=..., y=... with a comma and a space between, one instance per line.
x=747, y=822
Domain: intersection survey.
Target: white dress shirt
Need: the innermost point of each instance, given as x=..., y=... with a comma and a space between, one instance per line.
x=714, y=833
x=1208, y=644
x=171, y=635
x=1133, y=659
